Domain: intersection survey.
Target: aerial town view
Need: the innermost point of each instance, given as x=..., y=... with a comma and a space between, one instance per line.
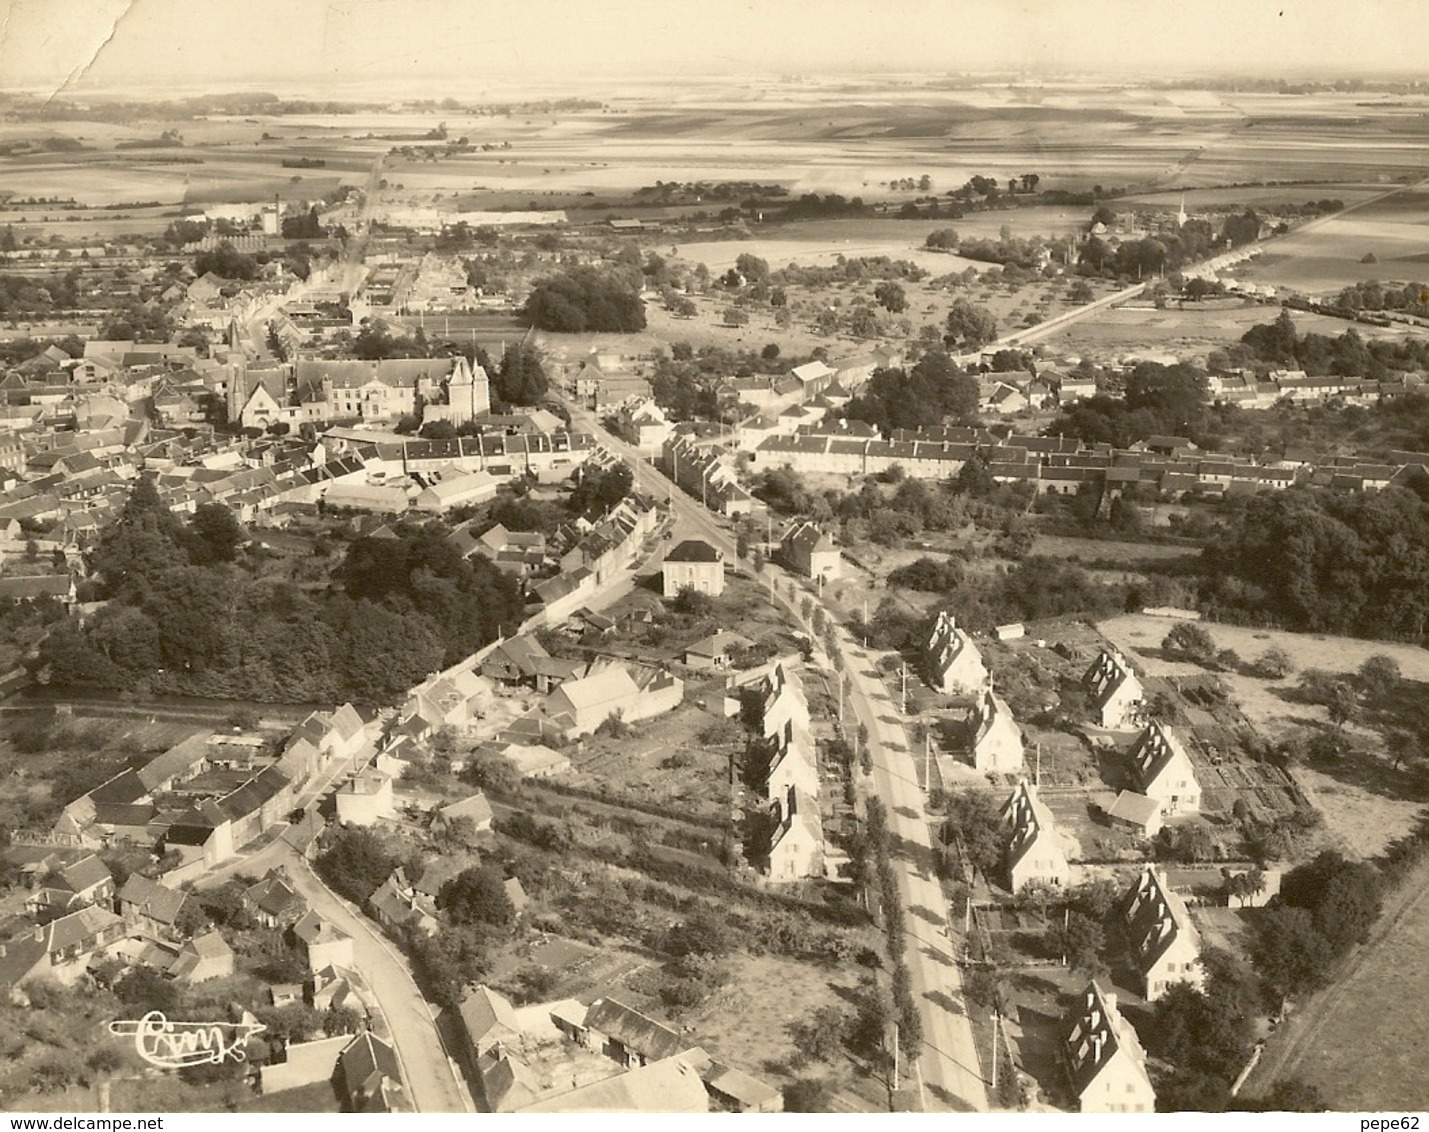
x=681, y=561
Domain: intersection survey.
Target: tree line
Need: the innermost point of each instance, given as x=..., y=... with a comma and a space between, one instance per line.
x=189, y=612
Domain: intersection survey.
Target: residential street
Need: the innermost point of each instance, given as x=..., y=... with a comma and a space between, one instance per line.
x=431, y=1081
x=950, y=1077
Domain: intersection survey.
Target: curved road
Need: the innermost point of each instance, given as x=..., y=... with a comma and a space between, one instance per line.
x=949, y=1078
x=431, y=1081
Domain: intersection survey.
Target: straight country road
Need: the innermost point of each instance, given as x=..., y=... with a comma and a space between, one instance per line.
x=950, y=1080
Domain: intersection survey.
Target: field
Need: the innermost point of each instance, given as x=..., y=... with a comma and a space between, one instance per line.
x=1362, y=1041
x=1353, y=800
x=1187, y=333
x=1327, y=256
x=851, y=137
x=747, y=1021
x=1256, y=196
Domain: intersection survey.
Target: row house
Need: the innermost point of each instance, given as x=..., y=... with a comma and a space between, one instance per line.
x=701, y=473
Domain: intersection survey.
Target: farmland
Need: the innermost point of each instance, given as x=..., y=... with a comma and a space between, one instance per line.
x=1367, y=1010
x=1190, y=332
x=1327, y=256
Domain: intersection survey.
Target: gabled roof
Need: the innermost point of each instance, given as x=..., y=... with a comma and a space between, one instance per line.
x=175, y=761
x=85, y=873
x=635, y=1031
x=1156, y=916
x=477, y=808
x=346, y=721
x=125, y=787
x=488, y=1015
x=365, y=1060
x=273, y=895
x=608, y=686
x=1097, y=1032
x=1029, y=818
x=1156, y=747
x=79, y=928
x=160, y=904
x=668, y=1086
x=1136, y=809
x=19, y=957
x=312, y=929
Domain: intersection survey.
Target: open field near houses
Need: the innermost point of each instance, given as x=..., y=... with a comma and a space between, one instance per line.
x=1363, y=810
x=1362, y=1041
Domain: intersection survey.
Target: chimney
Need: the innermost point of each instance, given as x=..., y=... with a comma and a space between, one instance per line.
x=1110, y=1000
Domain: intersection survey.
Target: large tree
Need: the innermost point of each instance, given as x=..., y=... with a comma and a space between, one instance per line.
x=586, y=299
x=477, y=896
x=970, y=325
x=521, y=380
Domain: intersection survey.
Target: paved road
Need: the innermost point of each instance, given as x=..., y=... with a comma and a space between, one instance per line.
x=432, y=1083
x=950, y=1078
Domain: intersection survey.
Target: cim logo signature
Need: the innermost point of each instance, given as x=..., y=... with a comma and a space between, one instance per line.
x=174, y=1045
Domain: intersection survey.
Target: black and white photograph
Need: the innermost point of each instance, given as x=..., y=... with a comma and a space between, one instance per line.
x=585, y=557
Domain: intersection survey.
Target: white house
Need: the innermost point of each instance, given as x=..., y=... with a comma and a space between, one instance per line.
x=694, y=564
x=796, y=847
x=1164, y=772
x=366, y=799
x=1116, y=692
x=1105, y=1062
x=1034, y=849
x=996, y=738
x=1165, y=946
x=954, y=664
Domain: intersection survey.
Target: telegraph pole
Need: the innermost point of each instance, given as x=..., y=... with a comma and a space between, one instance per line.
x=903, y=686
x=996, y=1017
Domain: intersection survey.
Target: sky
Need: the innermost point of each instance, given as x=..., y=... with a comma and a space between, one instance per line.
x=308, y=46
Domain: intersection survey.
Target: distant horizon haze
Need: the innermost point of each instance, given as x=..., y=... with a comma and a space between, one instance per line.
x=415, y=49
